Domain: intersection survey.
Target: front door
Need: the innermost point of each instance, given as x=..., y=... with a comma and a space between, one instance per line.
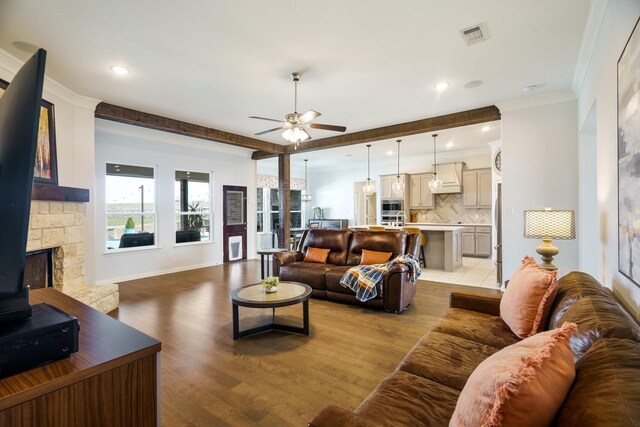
x=234, y=222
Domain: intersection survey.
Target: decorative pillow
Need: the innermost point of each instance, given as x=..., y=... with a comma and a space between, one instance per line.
x=526, y=302
x=374, y=257
x=523, y=384
x=316, y=255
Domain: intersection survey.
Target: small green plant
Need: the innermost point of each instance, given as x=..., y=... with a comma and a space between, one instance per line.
x=130, y=224
x=269, y=283
x=195, y=222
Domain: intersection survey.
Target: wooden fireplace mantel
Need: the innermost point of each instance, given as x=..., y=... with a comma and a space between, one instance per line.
x=59, y=193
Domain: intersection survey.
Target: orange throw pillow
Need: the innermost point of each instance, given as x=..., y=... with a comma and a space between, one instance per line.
x=521, y=385
x=316, y=255
x=526, y=302
x=374, y=257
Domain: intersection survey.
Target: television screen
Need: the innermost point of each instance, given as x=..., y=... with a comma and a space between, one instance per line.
x=19, y=119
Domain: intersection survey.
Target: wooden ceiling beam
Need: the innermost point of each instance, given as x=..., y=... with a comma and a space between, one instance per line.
x=433, y=124
x=138, y=118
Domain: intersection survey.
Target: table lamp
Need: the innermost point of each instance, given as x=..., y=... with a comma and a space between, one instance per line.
x=549, y=224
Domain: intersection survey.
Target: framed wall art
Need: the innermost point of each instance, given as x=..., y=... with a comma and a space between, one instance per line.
x=629, y=158
x=46, y=166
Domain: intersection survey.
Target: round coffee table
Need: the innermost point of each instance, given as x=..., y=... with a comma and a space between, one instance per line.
x=288, y=293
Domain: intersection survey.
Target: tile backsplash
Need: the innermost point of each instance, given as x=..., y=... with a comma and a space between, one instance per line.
x=449, y=208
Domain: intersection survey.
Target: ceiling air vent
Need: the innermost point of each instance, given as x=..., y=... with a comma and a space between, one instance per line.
x=476, y=34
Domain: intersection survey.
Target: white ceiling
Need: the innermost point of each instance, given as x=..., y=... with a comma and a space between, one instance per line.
x=365, y=63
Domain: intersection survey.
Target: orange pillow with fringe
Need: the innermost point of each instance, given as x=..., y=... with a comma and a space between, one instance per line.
x=526, y=302
x=316, y=255
x=374, y=257
x=523, y=384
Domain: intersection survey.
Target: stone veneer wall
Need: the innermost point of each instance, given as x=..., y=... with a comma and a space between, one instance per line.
x=60, y=225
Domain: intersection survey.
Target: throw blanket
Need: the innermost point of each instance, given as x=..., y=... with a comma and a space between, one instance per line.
x=362, y=279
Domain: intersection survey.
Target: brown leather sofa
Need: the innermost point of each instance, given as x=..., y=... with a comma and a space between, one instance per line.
x=395, y=292
x=425, y=386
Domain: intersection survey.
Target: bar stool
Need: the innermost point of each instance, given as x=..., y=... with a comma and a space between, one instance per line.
x=423, y=242
x=376, y=228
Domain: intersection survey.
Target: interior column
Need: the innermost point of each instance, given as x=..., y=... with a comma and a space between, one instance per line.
x=284, y=196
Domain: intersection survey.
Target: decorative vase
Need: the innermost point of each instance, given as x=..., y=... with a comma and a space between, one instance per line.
x=271, y=289
x=129, y=230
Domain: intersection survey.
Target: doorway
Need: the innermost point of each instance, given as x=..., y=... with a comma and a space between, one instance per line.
x=364, y=208
x=234, y=222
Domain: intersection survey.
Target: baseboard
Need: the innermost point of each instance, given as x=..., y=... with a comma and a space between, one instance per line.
x=155, y=273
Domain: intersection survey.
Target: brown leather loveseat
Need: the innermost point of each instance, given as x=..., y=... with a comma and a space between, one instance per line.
x=394, y=293
x=424, y=388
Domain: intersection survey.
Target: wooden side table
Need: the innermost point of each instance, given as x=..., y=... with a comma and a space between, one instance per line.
x=267, y=253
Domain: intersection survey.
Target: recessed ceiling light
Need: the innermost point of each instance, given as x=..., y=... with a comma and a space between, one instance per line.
x=449, y=144
x=119, y=70
x=486, y=128
x=442, y=86
x=389, y=153
x=348, y=155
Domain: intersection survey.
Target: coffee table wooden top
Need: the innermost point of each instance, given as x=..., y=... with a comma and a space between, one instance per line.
x=288, y=293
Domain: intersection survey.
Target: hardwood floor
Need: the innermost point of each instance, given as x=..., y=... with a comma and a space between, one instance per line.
x=271, y=379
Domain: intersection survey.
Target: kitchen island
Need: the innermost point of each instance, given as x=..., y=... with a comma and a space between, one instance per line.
x=444, y=244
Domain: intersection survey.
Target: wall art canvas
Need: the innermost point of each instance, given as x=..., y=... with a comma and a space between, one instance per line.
x=629, y=158
x=46, y=166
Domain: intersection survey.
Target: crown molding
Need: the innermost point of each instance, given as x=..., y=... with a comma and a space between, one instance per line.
x=10, y=65
x=536, y=100
x=590, y=37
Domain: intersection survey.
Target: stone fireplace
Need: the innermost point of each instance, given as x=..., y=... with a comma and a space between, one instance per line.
x=59, y=225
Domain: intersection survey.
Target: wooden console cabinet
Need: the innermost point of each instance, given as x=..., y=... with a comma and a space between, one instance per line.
x=113, y=380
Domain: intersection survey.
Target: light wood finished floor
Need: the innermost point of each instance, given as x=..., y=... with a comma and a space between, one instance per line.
x=272, y=379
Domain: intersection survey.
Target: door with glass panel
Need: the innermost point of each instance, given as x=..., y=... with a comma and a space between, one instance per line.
x=234, y=222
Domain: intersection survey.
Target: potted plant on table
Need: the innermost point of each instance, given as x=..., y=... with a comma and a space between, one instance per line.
x=270, y=284
x=130, y=226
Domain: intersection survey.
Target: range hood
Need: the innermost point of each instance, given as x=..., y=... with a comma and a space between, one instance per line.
x=451, y=176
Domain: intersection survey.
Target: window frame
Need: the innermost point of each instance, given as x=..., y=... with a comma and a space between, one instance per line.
x=155, y=213
x=211, y=212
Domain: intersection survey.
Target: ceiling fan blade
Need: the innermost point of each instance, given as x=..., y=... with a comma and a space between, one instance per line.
x=327, y=127
x=264, y=118
x=269, y=130
x=309, y=115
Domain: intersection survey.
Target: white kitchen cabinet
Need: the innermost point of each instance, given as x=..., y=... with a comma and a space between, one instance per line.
x=476, y=241
x=386, y=182
x=476, y=188
x=420, y=196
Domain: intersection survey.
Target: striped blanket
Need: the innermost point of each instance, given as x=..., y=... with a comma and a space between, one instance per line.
x=362, y=279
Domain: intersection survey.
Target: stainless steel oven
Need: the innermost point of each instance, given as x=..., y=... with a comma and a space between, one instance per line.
x=392, y=206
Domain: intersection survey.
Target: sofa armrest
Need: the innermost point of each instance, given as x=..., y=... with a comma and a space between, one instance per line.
x=284, y=258
x=332, y=416
x=483, y=303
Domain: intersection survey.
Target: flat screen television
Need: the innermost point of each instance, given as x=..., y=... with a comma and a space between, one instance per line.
x=19, y=119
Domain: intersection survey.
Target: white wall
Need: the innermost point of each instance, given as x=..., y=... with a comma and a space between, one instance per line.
x=539, y=168
x=74, y=127
x=120, y=143
x=333, y=188
x=600, y=88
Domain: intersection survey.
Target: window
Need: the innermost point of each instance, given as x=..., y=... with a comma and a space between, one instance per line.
x=295, y=213
x=130, y=206
x=192, y=206
x=260, y=209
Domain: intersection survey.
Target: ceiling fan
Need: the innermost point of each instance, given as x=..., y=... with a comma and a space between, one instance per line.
x=294, y=124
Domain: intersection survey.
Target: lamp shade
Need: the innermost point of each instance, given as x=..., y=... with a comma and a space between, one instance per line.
x=550, y=224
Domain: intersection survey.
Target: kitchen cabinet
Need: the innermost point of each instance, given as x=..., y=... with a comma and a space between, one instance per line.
x=420, y=196
x=476, y=241
x=386, y=182
x=476, y=188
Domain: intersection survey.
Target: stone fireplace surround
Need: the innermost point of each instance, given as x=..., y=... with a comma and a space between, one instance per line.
x=59, y=224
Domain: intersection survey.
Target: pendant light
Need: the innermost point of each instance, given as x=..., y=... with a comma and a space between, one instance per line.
x=398, y=184
x=435, y=185
x=369, y=188
x=306, y=197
